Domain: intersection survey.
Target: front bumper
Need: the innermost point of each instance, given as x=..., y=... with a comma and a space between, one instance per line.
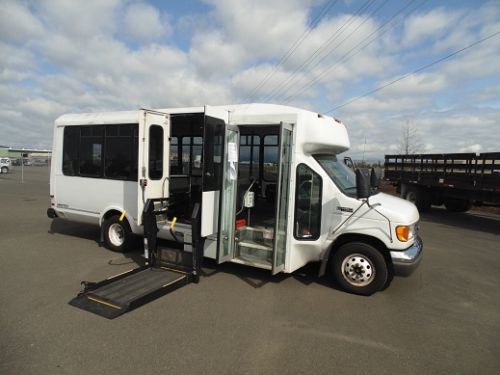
x=407, y=261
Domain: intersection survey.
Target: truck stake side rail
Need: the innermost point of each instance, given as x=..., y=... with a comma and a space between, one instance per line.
x=468, y=176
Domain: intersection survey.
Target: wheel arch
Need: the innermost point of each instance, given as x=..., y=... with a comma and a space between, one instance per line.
x=354, y=237
x=115, y=211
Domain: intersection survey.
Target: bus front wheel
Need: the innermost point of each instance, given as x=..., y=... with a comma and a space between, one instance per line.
x=359, y=268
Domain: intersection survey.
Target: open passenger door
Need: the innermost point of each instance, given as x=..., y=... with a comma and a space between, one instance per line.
x=213, y=153
x=282, y=197
x=229, y=195
x=220, y=174
x=153, y=171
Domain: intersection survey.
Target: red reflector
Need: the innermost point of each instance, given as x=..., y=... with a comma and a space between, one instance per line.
x=240, y=223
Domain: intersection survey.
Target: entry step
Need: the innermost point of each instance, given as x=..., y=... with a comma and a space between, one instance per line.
x=253, y=245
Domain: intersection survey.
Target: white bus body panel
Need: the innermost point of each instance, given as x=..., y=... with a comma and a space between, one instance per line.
x=87, y=199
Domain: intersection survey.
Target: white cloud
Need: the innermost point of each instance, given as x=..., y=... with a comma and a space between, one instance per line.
x=41, y=107
x=430, y=24
x=262, y=27
x=216, y=56
x=79, y=19
x=144, y=23
x=387, y=104
x=69, y=56
x=7, y=74
x=17, y=23
x=471, y=148
x=457, y=130
x=417, y=84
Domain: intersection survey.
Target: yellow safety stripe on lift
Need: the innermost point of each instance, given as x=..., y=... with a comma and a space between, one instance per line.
x=95, y=299
x=121, y=273
x=174, y=270
x=172, y=282
x=122, y=216
x=174, y=221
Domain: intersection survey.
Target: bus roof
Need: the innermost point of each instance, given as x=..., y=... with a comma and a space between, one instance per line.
x=128, y=117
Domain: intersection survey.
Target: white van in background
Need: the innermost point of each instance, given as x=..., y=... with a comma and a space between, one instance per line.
x=5, y=165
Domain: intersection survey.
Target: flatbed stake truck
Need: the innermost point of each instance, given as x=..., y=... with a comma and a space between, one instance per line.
x=455, y=180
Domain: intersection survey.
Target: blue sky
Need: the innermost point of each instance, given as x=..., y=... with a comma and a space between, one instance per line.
x=59, y=56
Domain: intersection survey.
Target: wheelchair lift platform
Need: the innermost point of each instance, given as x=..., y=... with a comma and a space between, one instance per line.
x=169, y=270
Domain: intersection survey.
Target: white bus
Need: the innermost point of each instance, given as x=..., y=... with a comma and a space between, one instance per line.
x=273, y=192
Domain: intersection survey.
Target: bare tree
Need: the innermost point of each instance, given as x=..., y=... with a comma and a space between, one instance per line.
x=411, y=142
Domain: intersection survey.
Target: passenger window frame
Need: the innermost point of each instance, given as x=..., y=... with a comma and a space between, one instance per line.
x=320, y=204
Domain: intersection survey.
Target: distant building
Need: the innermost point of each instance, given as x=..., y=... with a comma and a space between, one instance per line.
x=15, y=153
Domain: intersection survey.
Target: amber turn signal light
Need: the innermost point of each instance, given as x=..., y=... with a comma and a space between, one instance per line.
x=403, y=232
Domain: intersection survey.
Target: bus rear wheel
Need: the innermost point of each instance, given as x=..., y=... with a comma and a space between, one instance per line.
x=117, y=234
x=359, y=268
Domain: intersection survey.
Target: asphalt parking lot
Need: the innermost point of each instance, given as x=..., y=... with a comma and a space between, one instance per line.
x=444, y=319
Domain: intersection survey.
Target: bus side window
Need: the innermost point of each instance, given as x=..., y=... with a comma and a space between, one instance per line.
x=91, y=148
x=271, y=156
x=174, y=156
x=71, y=142
x=308, y=192
x=155, y=152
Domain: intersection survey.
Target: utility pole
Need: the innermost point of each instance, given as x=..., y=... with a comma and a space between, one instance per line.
x=364, y=146
x=23, y=155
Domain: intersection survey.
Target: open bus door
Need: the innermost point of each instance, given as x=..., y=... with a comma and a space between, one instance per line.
x=214, y=130
x=229, y=192
x=282, y=198
x=154, y=132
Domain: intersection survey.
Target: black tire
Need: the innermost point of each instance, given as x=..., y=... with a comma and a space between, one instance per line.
x=5, y=170
x=117, y=234
x=359, y=268
x=457, y=205
x=419, y=197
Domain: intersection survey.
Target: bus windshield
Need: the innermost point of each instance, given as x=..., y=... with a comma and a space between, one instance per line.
x=342, y=175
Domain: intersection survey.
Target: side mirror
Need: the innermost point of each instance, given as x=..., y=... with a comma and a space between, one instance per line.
x=348, y=161
x=374, y=179
x=362, y=183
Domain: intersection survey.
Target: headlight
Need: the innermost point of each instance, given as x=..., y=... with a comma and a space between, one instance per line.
x=404, y=233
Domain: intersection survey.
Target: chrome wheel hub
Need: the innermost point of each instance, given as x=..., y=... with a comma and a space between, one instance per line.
x=358, y=270
x=116, y=234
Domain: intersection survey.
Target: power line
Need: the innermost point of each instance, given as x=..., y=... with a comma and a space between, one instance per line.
x=317, y=62
x=414, y=72
x=321, y=48
x=347, y=56
x=293, y=48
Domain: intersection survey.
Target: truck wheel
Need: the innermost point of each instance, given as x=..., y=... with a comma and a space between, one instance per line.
x=418, y=197
x=117, y=234
x=359, y=268
x=457, y=205
x=5, y=170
